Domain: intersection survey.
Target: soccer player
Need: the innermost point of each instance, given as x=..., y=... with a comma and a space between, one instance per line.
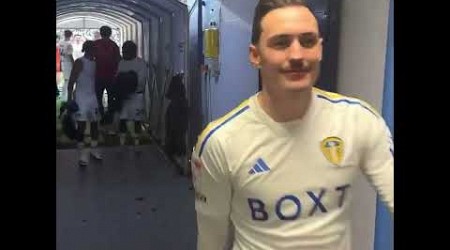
x=83, y=73
x=277, y=172
x=133, y=108
x=67, y=61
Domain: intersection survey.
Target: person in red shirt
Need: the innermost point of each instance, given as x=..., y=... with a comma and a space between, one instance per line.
x=58, y=56
x=107, y=57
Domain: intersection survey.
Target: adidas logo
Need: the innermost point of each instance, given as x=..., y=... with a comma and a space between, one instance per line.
x=259, y=167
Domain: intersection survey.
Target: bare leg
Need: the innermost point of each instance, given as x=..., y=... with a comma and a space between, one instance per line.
x=83, y=154
x=95, y=152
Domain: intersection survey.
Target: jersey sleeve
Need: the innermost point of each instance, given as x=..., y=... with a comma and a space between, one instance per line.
x=378, y=159
x=212, y=195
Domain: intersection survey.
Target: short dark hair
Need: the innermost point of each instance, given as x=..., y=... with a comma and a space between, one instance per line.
x=265, y=6
x=88, y=46
x=67, y=33
x=105, y=31
x=129, y=50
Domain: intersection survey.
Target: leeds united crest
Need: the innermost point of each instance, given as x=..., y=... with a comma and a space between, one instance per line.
x=333, y=149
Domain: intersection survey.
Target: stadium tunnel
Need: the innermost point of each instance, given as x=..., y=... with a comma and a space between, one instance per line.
x=156, y=26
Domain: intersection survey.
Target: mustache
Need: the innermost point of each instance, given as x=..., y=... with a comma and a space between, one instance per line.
x=302, y=66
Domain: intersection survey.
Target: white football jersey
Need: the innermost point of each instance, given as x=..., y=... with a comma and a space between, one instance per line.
x=139, y=66
x=261, y=184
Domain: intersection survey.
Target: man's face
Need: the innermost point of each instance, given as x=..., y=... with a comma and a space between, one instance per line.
x=289, y=49
x=77, y=40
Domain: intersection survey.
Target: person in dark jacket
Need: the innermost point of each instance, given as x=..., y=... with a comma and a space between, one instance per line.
x=176, y=118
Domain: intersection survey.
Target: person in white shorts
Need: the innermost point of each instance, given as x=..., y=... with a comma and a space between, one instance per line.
x=67, y=61
x=83, y=74
x=133, y=107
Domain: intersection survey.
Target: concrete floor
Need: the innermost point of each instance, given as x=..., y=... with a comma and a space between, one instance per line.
x=128, y=201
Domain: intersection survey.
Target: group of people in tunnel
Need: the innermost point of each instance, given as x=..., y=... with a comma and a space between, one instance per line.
x=86, y=78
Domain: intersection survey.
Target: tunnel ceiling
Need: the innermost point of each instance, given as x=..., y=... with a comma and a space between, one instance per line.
x=112, y=17
x=115, y=19
x=137, y=9
x=96, y=7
